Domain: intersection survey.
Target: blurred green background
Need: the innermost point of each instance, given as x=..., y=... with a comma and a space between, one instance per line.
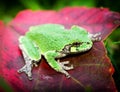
x=9, y=9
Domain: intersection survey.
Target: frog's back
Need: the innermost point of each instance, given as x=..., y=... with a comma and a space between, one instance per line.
x=53, y=37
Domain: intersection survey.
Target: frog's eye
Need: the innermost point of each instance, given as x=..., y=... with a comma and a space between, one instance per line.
x=76, y=44
x=88, y=42
x=66, y=49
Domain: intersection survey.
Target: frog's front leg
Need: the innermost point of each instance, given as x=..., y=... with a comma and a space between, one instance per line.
x=95, y=37
x=64, y=63
x=58, y=66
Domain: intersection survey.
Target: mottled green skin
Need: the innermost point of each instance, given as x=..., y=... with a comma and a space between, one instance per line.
x=47, y=39
x=54, y=37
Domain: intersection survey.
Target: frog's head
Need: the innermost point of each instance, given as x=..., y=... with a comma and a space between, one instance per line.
x=82, y=41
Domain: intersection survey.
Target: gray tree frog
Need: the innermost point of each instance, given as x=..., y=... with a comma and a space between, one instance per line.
x=53, y=41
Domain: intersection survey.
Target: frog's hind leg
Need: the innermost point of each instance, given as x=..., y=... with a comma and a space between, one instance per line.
x=58, y=66
x=31, y=56
x=27, y=68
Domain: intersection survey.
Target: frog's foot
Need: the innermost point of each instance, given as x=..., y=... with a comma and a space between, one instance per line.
x=27, y=68
x=95, y=37
x=64, y=67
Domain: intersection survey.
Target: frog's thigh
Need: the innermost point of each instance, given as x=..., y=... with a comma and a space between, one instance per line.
x=50, y=56
x=31, y=51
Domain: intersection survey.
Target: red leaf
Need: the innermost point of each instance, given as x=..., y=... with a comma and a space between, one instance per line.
x=93, y=70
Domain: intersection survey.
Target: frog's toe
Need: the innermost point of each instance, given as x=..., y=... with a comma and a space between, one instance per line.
x=29, y=74
x=64, y=62
x=64, y=65
x=65, y=72
x=23, y=69
x=67, y=67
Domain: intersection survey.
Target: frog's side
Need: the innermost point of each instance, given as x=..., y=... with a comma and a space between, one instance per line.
x=53, y=41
